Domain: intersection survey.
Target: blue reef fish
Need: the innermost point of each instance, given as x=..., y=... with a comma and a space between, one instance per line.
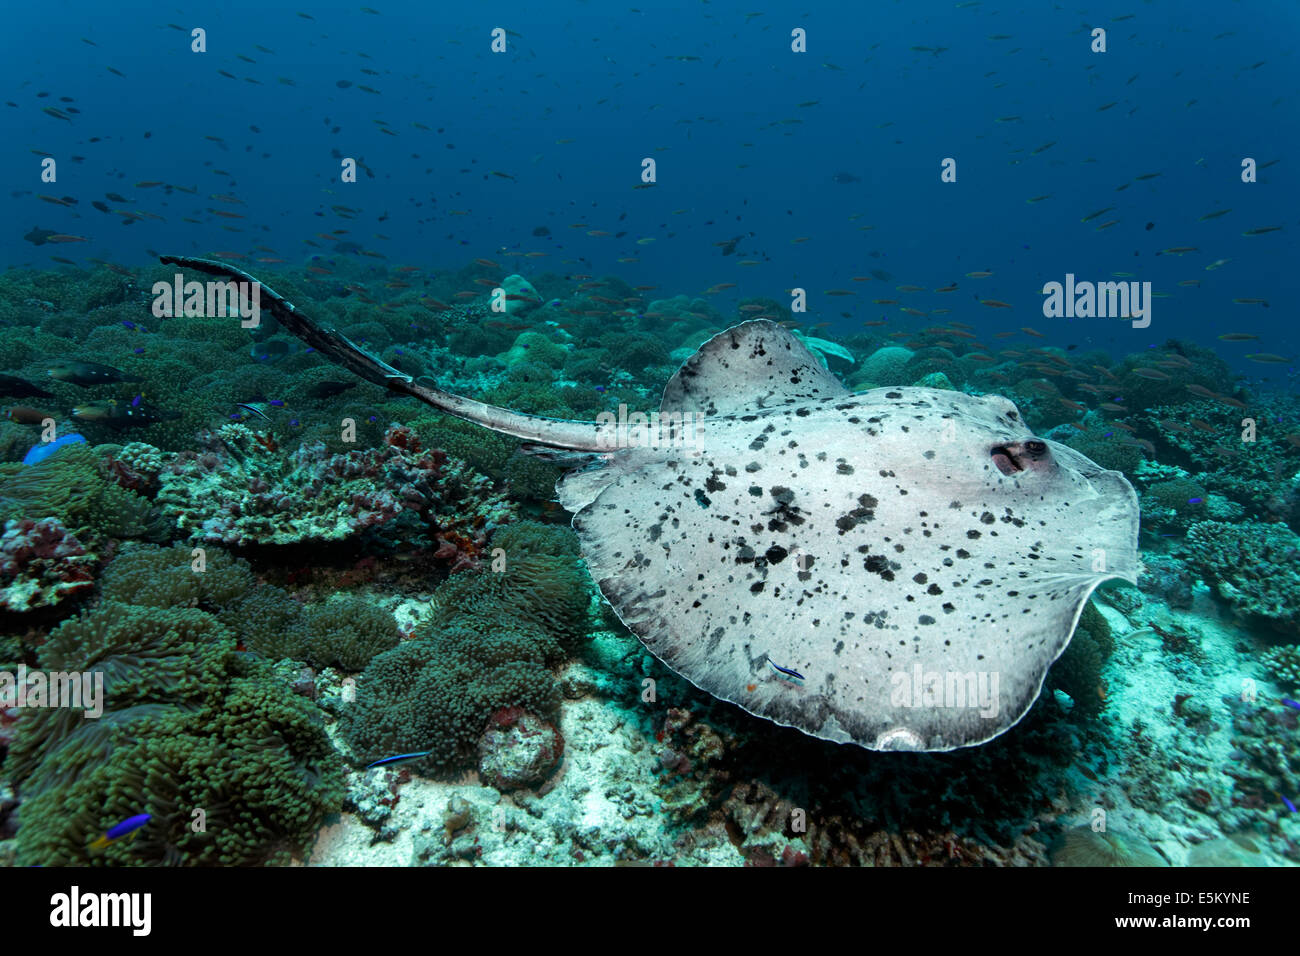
x=1289, y=805
x=127, y=827
x=1195, y=501
x=399, y=758
x=44, y=450
x=1290, y=703
x=785, y=671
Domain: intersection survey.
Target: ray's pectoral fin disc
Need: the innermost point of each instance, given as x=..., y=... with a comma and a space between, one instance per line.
x=895, y=569
x=916, y=555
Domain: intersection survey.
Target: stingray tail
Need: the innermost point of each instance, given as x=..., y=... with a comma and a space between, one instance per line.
x=552, y=433
x=560, y=456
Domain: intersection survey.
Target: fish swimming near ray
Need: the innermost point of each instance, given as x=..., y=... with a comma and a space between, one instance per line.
x=917, y=556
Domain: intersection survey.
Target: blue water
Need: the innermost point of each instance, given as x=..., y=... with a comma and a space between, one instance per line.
x=774, y=170
x=736, y=154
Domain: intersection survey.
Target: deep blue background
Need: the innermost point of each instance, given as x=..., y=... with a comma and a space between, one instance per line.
x=605, y=75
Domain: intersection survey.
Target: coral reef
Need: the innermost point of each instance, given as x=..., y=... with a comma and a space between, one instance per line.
x=191, y=734
x=1168, y=579
x=344, y=632
x=1084, y=846
x=532, y=590
x=41, y=563
x=1078, y=670
x=1111, y=450
x=489, y=644
x=471, y=634
x=152, y=576
x=1283, y=662
x=242, y=491
x=885, y=366
x=423, y=696
x=518, y=750
x=535, y=349
x=1255, y=567
x=71, y=486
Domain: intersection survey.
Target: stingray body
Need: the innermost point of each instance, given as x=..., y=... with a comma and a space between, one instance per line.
x=917, y=557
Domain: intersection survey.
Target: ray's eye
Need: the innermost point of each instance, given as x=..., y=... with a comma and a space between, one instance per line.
x=1035, y=449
